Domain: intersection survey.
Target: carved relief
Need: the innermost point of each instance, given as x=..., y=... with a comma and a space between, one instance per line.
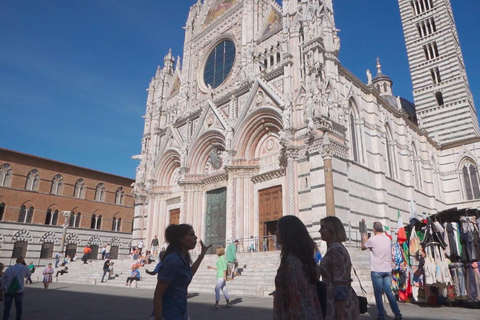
x=22, y=235
x=115, y=242
x=94, y=241
x=49, y=237
x=73, y=238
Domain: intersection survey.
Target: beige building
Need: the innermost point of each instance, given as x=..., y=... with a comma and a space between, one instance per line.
x=48, y=206
x=259, y=120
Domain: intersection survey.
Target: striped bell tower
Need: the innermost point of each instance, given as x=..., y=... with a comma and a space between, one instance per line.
x=444, y=103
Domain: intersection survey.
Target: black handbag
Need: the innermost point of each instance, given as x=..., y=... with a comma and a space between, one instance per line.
x=322, y=296
x=362, y=301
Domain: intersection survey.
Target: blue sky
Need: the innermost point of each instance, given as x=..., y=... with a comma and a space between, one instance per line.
x=73, y=73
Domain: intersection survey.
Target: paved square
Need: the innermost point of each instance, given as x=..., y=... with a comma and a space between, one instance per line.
x=81, y=302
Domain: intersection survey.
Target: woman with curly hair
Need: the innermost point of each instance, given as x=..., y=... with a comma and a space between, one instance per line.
x=335, y=268
x=295, y=295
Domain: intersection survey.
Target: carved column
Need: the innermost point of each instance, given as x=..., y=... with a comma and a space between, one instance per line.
x=327, y=153
x=140, y=200
x=291, y=154
x=230, y=232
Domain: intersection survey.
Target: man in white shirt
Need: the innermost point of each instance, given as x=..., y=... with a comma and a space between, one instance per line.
x=381, y=269
x=140, y=246
x=19, y=271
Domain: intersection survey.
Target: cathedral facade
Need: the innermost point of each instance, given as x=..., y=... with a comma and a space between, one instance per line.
x=259, y=120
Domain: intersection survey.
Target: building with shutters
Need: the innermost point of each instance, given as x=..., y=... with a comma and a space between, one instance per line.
x=259, y=119
x=47, y=205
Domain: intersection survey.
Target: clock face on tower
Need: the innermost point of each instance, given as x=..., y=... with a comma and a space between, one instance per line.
x=219, y=64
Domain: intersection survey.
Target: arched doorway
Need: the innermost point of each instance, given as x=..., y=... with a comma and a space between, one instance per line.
x=71, y=250
x=114, y=252
x=270, y=210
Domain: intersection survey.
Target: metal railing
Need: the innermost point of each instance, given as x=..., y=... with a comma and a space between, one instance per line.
x=251, y=244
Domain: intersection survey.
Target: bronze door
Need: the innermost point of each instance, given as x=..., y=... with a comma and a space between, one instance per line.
x=175, y=216
x=215, y=224
x=270, y=210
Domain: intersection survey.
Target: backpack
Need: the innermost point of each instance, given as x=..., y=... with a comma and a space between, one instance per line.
x=14, y=285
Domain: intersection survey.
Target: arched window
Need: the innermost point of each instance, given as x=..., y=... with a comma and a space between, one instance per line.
x=33, y=179
x=116, y=223
x=119, y=195
x=119, y=224
x=93, y=223
x=100, y=192
x=77, y=220
x=470, y=180
x=5, y=175
x=2, y=210
x=390, y=152
x=25, y=216
x=416, y=168
x=22, y=214
x=30, y=215
x=51, y=218
x=57, y=185
x=355, y=141
x=99, y=222
x=74, y=220
x=79, y=191
x=96, y=222
x=439, y=97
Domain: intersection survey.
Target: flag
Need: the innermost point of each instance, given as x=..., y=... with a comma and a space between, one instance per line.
x=401, y=235
x=388, y=233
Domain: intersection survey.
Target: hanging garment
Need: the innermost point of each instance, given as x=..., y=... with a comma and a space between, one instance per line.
x=447, y=240
x=452, y=241
x=430, y=267
x=414, y=243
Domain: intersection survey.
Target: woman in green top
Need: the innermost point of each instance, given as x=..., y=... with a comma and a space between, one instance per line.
x=221, y=278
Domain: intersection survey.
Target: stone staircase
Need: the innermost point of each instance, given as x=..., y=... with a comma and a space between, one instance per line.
x=257, y=270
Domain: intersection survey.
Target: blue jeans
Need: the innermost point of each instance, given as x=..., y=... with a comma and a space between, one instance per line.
x=382, y=282
x=8, y=300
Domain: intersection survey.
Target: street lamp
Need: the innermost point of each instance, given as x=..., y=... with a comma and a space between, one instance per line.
x=67, y=215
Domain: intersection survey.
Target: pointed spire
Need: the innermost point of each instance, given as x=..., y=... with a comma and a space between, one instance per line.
x=379, y=66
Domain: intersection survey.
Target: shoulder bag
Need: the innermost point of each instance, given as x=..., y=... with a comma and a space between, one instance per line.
x=362, y=301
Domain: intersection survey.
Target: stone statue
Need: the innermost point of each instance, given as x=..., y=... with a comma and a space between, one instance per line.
x=399, y=103
x=286, y=117
x=369, y=78
x=229, y=137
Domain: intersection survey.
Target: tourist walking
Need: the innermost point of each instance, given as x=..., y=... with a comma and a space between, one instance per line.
x=13, y=284
x=221, y=268
x=47, y=275
x=154, y=246
x=335, y=268
x=108, y=248
x=232, y=259
x=380, y=247
x=58, y=256
x=86, y=254
x=140, y=246
x=295, y=295
x=31, y=269
x=106, y=268
x=176, y=272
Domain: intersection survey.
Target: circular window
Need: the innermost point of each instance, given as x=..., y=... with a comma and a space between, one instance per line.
x=219, y=64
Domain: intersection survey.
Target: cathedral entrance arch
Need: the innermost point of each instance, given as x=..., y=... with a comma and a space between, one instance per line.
x=216, y=222
x=269, y=211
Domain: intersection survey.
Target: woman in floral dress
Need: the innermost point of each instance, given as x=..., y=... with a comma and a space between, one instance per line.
x=47, y=275
x=335, y=268
x=295, y=296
